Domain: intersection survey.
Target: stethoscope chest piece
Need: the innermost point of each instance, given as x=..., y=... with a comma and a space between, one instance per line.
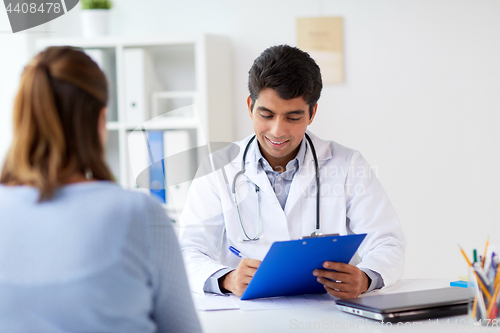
x=316, y=234
x=241, y=240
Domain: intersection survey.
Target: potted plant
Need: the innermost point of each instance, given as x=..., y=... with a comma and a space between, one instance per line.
x=94, y=16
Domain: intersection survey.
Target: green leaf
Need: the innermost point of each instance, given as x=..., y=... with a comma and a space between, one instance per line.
x=96, y=4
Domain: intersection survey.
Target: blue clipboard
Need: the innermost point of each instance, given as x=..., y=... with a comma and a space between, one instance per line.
x=287, y=268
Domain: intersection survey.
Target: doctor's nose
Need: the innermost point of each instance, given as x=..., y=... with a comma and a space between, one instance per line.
x=278, y=129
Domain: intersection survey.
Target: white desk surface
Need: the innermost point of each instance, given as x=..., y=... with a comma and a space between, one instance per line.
x=327, y=319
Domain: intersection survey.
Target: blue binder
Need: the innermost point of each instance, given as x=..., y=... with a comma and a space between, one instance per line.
x=287, y=268
x=157, y=168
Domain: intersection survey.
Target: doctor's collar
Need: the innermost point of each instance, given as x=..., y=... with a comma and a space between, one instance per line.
x=301, y=154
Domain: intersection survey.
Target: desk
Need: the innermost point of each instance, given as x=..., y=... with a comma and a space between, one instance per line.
x=328, y=319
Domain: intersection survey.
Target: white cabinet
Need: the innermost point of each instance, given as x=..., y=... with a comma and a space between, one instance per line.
x=162, y=83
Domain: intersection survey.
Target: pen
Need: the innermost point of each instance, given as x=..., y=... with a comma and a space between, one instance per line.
x=482, y=276
x=474, y=308
x=236, y=252
x=492, y=308
x=497, y=276
x=465, y=256
x=483, y=288
x=496, y=280
x=492, y=270
x=485, y=249
x=480, y=301
x=474, y=255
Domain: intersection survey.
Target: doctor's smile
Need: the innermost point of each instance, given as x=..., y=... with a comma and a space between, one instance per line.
x=276, y=143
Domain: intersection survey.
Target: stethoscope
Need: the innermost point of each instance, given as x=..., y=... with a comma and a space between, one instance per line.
x=257, y=236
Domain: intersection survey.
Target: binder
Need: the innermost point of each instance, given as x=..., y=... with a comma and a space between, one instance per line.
x=106, y=61
x=287, y=268
x=157, y=168
x=179, y=168
x=140, y=82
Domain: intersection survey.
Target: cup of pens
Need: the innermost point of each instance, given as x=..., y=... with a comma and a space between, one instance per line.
x=484, y=283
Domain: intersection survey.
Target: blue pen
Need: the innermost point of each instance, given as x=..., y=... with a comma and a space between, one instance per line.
x=236, y=252
x=492, y=270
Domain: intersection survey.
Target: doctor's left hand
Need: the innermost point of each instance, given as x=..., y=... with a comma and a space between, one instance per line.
x=351, y=280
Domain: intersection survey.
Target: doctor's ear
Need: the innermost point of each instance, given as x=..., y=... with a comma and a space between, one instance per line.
x=313, y=113
x=250, y=105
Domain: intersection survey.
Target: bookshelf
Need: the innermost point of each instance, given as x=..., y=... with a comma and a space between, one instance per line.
x=162, y=83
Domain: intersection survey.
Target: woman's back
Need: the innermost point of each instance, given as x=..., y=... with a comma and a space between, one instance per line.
x=93, y=258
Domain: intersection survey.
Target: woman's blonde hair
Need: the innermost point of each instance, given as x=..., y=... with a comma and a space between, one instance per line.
x=56, y=113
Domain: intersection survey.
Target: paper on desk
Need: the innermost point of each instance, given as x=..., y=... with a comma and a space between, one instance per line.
x=213, y=302
x=299, y=301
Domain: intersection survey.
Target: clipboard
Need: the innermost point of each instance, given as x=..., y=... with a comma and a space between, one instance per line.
x=287, y=268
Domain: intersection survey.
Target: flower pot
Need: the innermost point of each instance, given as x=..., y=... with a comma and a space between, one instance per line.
x=94, y=22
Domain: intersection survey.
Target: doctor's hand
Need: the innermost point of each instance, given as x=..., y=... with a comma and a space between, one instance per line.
x=237, y=281
x=342, y=280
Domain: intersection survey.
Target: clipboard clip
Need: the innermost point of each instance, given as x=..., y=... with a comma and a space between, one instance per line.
x=318, y=234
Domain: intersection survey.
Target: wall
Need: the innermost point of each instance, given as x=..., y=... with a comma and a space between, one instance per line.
x=11, y=62
x=421, y=100
x=15, y=52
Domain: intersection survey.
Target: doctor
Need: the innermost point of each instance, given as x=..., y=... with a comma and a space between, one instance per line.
x=273, y=178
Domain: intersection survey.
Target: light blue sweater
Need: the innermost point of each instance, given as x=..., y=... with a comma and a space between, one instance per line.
x=95, y=258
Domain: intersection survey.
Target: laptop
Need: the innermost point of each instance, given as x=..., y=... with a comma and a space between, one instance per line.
x=416, y=305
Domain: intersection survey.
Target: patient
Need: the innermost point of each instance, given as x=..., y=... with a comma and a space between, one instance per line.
x=77, y=252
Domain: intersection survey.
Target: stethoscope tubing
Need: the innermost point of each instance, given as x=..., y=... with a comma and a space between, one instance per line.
x=316, y=165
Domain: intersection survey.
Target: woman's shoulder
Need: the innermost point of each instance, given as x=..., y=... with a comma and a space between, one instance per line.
x=99, y=200
x=112, y=202
x=106, y=192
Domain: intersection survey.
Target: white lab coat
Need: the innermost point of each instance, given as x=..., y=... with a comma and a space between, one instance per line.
x=352, y=201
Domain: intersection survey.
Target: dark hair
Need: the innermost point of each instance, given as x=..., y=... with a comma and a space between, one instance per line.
x=289, y=71
x=56, y=113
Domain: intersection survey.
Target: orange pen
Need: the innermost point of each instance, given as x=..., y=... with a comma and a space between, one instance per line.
x=485, y=249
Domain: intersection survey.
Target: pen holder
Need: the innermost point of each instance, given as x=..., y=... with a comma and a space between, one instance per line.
x=483, y=310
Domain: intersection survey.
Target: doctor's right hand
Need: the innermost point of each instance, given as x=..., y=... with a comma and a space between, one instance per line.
x=237, y=281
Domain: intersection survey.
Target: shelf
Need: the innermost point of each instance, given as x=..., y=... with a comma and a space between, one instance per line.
x=166, y=124
x=129, y=41
x=112, y=126
x=174, y=94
